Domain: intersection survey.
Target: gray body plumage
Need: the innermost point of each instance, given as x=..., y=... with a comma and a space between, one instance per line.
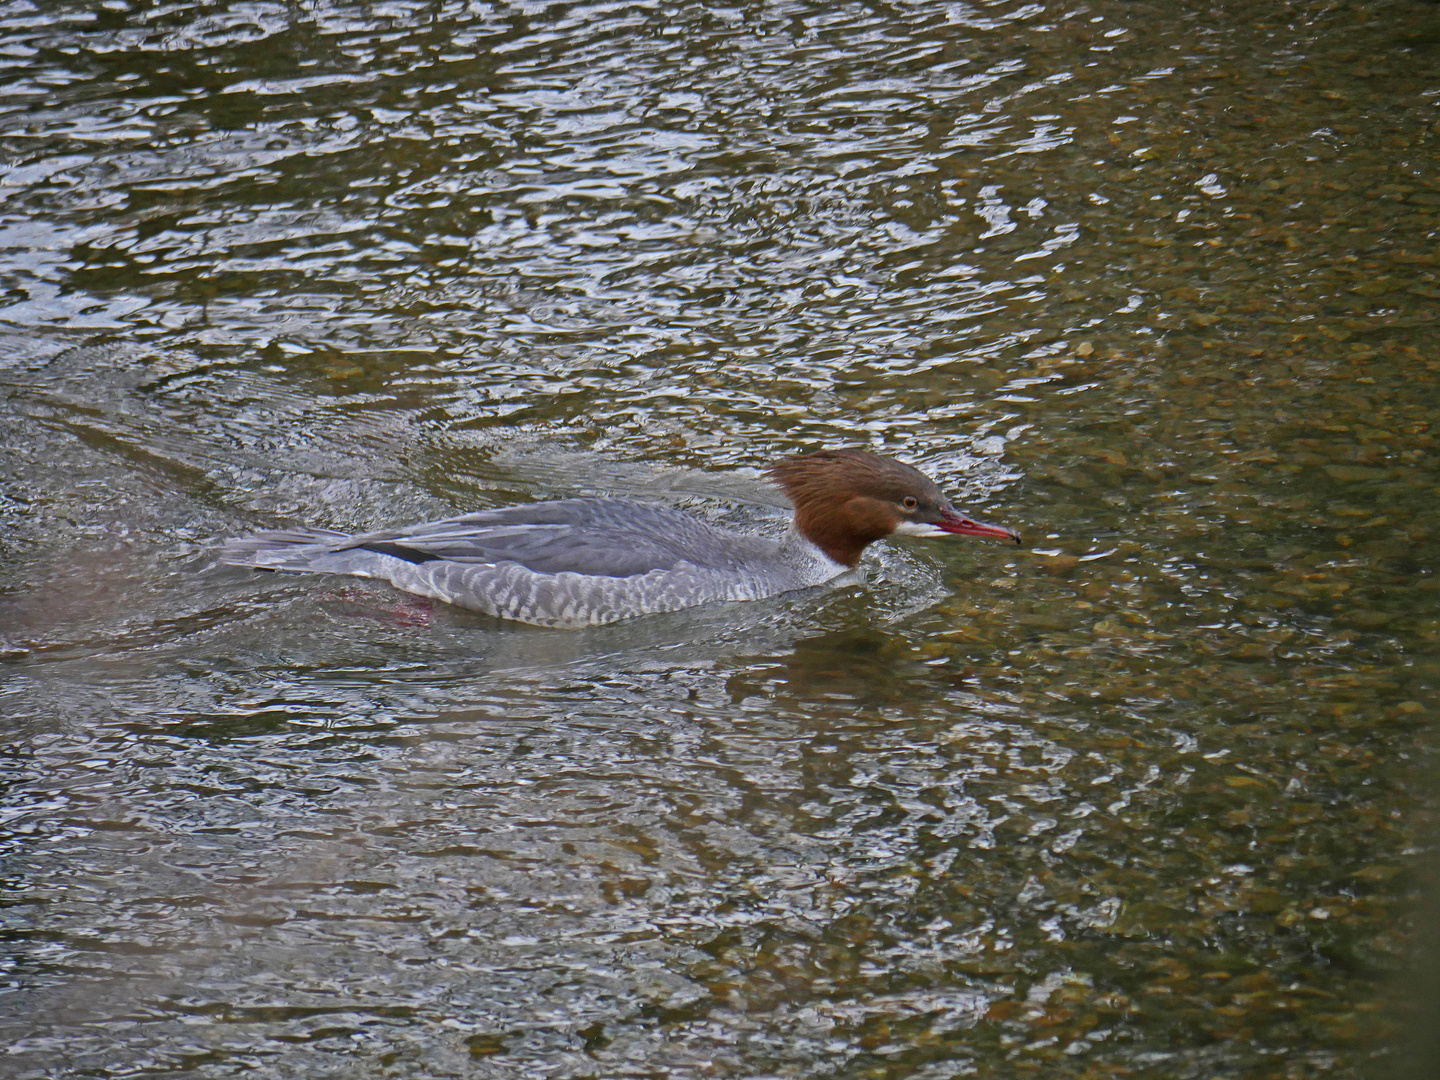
x=569, y=563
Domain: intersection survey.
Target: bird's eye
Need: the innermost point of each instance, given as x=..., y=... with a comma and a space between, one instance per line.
x=909, y=502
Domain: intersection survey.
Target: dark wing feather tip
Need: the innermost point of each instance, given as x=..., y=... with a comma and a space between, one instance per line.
x=399, y=551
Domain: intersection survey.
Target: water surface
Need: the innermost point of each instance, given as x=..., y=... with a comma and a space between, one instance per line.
x=1154, y=284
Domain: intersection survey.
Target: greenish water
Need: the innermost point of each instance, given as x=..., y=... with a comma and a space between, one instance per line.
x=1154, y=283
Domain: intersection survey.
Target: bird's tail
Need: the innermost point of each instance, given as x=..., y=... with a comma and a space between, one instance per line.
x=299, y=550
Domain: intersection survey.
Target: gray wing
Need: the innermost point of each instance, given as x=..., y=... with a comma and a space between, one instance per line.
x=605, y=537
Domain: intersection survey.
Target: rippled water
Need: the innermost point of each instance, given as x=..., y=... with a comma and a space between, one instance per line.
x=1155, y=283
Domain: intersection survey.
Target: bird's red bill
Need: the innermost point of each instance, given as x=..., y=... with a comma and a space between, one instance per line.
x=952, y=522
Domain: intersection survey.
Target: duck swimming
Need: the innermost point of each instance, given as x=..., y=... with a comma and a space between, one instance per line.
x=572, y=563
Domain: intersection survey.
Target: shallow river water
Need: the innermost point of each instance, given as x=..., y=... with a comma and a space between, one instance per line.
x=1155, y=283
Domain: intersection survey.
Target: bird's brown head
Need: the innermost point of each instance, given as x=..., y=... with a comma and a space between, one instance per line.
x=845, y=500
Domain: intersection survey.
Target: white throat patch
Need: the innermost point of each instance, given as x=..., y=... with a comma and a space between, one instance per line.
x=918, y=528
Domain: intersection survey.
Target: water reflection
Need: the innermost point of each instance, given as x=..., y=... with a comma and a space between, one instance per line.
x=1145, y=798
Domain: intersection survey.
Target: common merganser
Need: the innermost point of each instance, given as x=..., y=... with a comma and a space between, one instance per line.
x=586, y=562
